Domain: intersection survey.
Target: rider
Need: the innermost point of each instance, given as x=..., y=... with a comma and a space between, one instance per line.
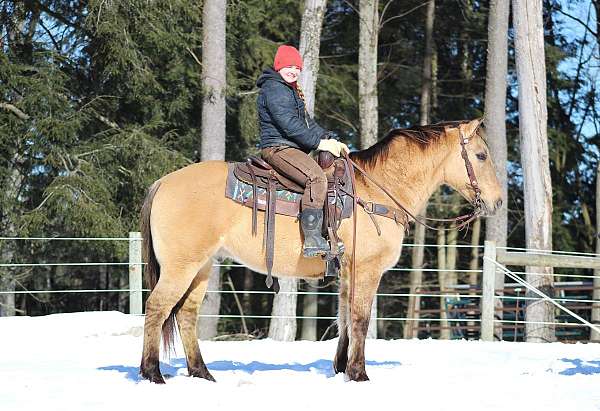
x=288, y=134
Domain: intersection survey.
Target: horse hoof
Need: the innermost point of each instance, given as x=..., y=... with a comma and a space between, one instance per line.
x=339, y=366
x=154, y=377
x=356, y=375
x=202, y=373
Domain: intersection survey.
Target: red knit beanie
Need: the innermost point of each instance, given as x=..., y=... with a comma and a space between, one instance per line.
x=287, y=56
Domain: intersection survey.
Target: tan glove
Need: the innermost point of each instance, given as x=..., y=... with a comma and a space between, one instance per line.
x=344, y=148
x=333, y=146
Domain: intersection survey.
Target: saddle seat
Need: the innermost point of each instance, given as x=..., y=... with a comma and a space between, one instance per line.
x=263, y=171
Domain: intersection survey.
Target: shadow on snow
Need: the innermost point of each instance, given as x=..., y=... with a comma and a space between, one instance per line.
x=323, y=367
x=581, y=367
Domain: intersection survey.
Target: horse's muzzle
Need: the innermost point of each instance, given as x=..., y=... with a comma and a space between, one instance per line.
x=490, y=211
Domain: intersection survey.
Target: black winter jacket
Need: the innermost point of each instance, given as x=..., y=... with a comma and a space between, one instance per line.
x=282, y=117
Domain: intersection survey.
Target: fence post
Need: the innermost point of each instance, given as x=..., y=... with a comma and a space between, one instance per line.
x=135, y=272
x=487, y=295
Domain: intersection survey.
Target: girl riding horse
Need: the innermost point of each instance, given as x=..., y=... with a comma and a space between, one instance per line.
x=288, y=134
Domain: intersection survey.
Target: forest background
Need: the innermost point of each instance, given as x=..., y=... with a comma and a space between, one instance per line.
x=100, y=98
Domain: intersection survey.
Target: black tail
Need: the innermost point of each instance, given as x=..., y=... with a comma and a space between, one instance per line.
x=152, y=269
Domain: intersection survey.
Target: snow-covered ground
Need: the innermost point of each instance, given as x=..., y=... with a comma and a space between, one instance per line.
x=89, y=361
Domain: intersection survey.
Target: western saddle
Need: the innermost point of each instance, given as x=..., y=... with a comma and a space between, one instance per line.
x=256, y=184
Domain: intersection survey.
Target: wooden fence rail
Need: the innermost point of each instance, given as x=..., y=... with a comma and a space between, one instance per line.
x=528, y=258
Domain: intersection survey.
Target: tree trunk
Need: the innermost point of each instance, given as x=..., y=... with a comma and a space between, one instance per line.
x=15, y=28
x=495, y=127
x=442, y=278
x=213, y=126
x=416, y=281
x=213, y=80
x=418, y=251
x=367, y=72
x=452, y=256
x=367, y=94
x=595, y=336
x=208, y=326
x=123, y=284
x=425, y=105
x=474, y=264
x=248, y=284
x=283, y=326
x=7, y=301
x=310, y=42
x=309, y=309
x=533, y=117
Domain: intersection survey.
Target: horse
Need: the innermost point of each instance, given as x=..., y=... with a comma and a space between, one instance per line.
x=186, y=222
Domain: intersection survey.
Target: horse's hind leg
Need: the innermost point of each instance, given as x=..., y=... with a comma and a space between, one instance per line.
x=187, y=319
x=366, y=287
x=341, y=356
x=173, y=283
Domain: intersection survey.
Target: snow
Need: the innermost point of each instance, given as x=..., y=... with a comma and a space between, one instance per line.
x=89, y=361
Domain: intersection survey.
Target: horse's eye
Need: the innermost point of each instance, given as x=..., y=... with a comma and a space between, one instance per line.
x=481, y=156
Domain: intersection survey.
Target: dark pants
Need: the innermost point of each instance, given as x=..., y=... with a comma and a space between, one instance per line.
x=301, y=168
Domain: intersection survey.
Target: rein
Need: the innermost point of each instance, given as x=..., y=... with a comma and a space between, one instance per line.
x=462, y=220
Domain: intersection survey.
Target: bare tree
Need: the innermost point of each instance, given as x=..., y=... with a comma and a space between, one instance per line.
x=212, y=145
x=495, y=126
x=367, y=94
x=595, y=336
x=533, y=116
x=16, y=36
x=418, y=250
x=367, y=71
x=283, y=326
x=596, y=293
x=442, y=278
x=310, y=42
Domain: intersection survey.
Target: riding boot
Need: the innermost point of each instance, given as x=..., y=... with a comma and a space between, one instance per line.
x=311, y=221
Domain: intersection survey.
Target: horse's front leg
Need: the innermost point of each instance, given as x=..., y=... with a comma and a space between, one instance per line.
x=341, y=355
x=365, y=288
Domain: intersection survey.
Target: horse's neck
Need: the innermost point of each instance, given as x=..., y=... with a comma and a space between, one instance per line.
x=410, y=174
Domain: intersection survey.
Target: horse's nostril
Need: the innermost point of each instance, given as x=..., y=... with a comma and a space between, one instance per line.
x=498, y=204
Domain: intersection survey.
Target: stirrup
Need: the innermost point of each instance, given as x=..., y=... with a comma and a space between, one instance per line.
x=311, y=252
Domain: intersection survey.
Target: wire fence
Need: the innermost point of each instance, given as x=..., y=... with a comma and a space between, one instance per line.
x=456, y=297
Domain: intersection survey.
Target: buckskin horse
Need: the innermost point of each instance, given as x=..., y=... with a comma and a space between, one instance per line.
x=187, y=222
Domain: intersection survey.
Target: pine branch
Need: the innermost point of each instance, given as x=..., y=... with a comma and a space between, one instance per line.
x=15, y=110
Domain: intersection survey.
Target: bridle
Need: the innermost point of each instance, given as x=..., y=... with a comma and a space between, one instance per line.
x=461, y=221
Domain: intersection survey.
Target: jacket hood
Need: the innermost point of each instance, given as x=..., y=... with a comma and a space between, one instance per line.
x=270, y=74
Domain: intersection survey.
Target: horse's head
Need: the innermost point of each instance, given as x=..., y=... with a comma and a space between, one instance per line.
x=466, y=140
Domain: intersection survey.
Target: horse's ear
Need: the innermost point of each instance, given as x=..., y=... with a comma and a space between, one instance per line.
x=469, y=128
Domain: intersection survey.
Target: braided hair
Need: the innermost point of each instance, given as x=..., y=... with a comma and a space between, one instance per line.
x=301, y=94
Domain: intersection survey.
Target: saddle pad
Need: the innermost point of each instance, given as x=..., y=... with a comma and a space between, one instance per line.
x=287, y=203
